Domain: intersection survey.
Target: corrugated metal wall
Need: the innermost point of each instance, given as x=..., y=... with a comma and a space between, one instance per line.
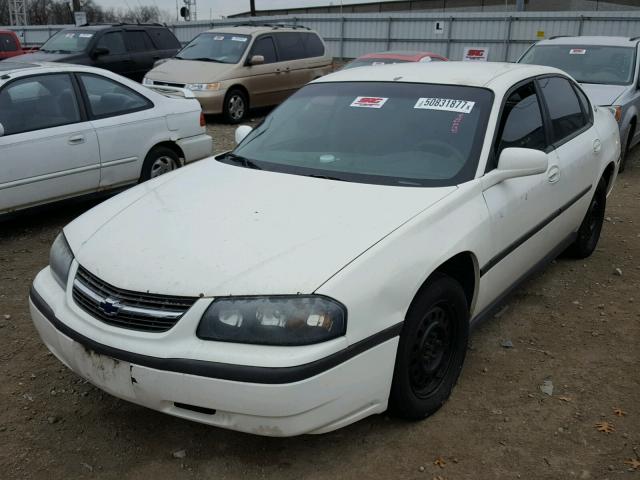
x=506, y=35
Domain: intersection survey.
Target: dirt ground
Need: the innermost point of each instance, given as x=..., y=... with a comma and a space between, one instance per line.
x=576, y=325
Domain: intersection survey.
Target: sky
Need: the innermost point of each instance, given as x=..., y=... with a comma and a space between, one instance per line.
x=218, y=8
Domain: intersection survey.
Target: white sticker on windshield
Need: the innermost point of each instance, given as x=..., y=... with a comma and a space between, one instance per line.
x=219, y=37
x=446, y=104
x=239, y=39
x=86, y=35
x=369, y=102
x=69, y=35
x=577, y=51
x=378, y=63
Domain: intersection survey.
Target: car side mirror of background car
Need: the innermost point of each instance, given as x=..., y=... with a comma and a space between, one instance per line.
x=241, y=132
x=256, y=60
x=516, y=162
x=1, y=130
x=99, y=51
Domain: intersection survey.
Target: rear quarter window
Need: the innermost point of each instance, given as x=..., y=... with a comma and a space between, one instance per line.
x=312, y=44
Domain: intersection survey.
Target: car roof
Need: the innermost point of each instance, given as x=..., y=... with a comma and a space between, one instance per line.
x=254, y=30
x=592, y=40
x=401, y=55
x=15, y=68
x=494, y=75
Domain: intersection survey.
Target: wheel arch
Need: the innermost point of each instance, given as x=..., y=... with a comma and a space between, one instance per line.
x=172, y=146
x=608, y=175
x=243, y=89
x=463, y=268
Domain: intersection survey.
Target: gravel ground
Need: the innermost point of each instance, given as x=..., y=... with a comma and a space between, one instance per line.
x=576, y=326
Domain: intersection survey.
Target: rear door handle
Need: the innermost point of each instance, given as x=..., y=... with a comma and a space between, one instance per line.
x=553, y=175
x=76, y=140
x=597, y=145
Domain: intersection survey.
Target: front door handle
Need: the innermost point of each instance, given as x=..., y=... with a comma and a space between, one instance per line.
x=553, y=175
x=76, y=140
x=597, y=145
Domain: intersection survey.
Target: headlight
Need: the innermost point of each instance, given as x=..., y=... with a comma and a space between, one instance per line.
x=201, y=87
x=276, y=320
x=60, y=258
x=147, y=81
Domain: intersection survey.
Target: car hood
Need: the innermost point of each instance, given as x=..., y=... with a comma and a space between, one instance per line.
x=603, y=94
x=214, y=229
x=190, y=71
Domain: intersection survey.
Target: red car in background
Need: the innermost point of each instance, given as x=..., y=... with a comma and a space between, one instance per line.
x=10, y=45
x=384, y=58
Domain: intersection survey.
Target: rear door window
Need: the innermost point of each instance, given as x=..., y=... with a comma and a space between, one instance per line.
x=565, y=112
x=163, y=39
x=38, y=102
x=138, y=41
x=7, y=43
x=264, y=46
x=108, y=98
x=290, y=46
x=312, y=44
x=114, y=42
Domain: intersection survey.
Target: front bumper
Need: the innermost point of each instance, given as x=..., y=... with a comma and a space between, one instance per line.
x=315, y=402
x=212, y=102
x=195, y=148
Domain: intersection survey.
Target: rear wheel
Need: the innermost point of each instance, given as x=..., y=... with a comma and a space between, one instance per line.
x=589, y=231
x=432, y=348
x=236, y=105
x=158, y=161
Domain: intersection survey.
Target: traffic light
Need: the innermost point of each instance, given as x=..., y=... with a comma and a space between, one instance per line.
x=184, y=12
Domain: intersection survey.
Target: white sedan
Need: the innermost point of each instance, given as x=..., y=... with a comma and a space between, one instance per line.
x=345, y=249
x=69, y=130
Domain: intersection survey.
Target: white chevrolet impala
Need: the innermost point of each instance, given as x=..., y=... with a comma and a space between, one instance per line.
x=71, y=130
x=331, y=266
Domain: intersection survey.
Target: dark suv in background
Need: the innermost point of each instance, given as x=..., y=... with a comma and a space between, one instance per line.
x=127, y=49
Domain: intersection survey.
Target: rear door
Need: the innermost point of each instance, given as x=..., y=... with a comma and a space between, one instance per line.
x=141, y=53
x=117, y=59
x=291, y=54
x=125, y=121
x=575, y=139
x=49, y=149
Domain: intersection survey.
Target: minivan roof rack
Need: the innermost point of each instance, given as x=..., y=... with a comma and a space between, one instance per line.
x=275, y=26
x=557, y=36
x=120, y=24
x=633, y=39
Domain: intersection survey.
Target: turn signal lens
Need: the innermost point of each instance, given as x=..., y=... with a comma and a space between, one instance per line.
x=203, y=122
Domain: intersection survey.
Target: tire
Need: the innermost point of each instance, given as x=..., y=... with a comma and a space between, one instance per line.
x=627, y=147
x=591, y=226
x=158, y=161
x=431, y=351
x=236, y=106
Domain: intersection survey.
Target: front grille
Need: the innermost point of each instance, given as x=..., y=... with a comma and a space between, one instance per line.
x=169, y=84
x=148, y=312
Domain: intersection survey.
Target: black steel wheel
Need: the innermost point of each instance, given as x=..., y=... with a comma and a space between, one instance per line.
x=431, y=350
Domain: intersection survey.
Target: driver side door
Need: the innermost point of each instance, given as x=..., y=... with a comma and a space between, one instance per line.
x=522, y=210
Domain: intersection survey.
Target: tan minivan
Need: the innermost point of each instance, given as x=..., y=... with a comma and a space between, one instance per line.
x=232, y=68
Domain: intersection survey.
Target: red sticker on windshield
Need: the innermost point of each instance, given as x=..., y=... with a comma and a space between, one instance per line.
x=577, y=51
x=369, y=102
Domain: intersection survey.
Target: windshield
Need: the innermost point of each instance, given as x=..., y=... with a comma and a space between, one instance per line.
x=67, y=41
x=365, y=62
x=373, y=132
x=587, y=63
x=215, y=47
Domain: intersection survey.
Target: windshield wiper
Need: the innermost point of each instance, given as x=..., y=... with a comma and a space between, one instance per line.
x=245, y=162
x=202, y=59
x=326, y=177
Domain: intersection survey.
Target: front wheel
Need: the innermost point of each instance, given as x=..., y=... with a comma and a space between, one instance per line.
x=591, y=226
x=158, y=161
x=432, y=348
x=235, y=106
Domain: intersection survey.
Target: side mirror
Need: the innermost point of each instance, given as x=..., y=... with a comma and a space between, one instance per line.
x=99, y=51
x=241, y=132
x=517, y=162
x=1, y=130
x=256, y=60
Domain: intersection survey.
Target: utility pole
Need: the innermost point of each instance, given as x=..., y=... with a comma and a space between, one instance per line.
x=252, y=3
x=18, y=13
x=519, y=5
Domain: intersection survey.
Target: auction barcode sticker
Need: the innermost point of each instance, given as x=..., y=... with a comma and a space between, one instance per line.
x=577, y=51
x=369, y=102
x=446, y=104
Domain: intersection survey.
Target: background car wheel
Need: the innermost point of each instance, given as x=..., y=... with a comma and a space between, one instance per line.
x=432, y=348
x=158, y=161
x=235, y=106
x=589, y=231
x=627, y=147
